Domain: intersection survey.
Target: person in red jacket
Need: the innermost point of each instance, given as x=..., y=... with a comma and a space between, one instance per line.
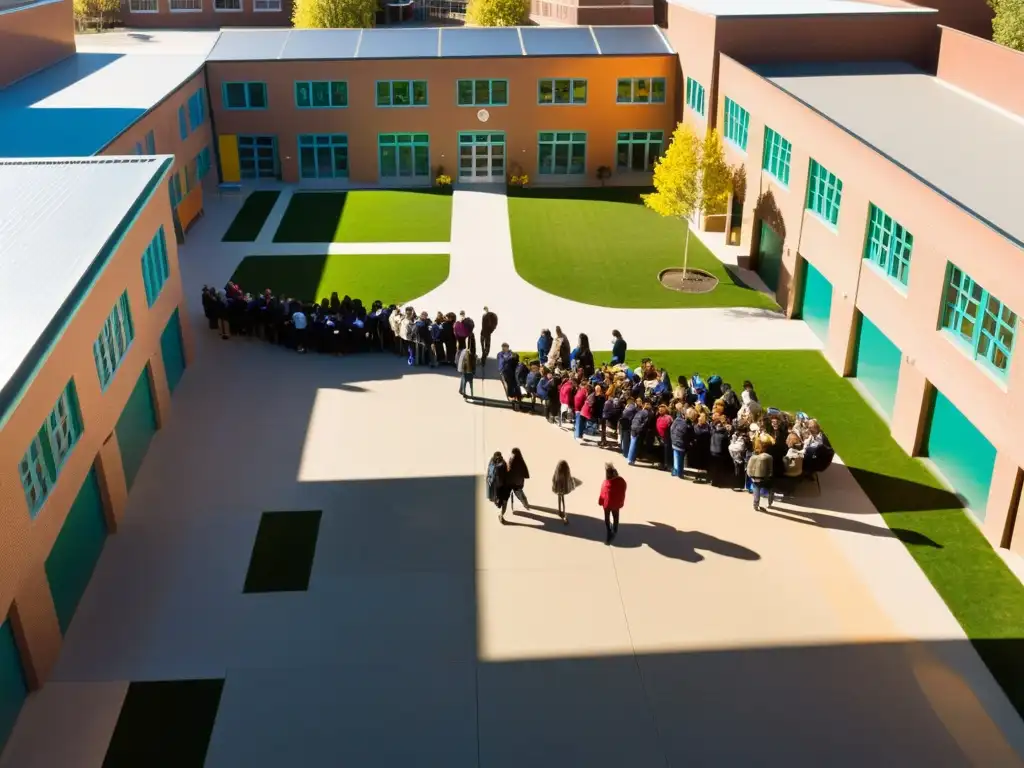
x=579, y=402
x=663, y=424
x=565, y=392
x=612, y=499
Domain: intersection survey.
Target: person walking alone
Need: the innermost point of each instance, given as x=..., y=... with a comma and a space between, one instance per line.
x=488, y=325
x=518, y=474
x=465, y=364
x=498, y=489
x=759, y=470
x=612, y=500
x=562, y=484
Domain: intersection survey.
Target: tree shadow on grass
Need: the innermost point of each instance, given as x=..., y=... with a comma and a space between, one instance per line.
x=667, y=541
x=839, y=523
x=297, y=277
x=311, y=217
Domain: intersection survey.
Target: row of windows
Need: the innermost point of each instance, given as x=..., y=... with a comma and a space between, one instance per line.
x=147, y=146
x=695, y=96
x=194, y=6
x=327, y=94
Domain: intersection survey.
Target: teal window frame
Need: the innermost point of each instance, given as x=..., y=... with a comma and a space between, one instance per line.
x=203, y=163
x=978, y=321
x=197, y=108
x=640, y=90
x=138, y=147
x=824, y=193
x=115, y=339
x=737, y=124
x=777, y=156
x=251, y=93
x=888, y=245
x=397, y=142
x=174, y=189
x=182, y=123
x=561, y=91
x=626, y=140
x=695, y=96
x=326, y=147
x=386, y=91
x=155, y=268
x=321, y=94
x=50, y=448
x=151, y=143
x=573, y=144
x=481, y=93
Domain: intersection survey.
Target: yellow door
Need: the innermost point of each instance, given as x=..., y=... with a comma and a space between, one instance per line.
x=229, y=172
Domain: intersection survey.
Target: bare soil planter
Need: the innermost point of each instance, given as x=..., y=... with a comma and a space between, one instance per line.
x=692, y=281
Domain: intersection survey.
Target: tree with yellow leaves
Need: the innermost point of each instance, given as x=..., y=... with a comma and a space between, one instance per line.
x=677, y=182
x=715, y=176
x=333, y=14
x=498, y=13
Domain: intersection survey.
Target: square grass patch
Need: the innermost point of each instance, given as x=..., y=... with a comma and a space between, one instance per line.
x=165, y=723
x=390, y=278
x=367, y=216
x=977, y=586
x=252, y=216
x=282, y=557
x=602, y=246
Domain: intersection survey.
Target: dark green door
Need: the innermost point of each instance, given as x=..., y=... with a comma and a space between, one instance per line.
x=816, y=301
x=769, y=257
x=961, y=453
x=77, y=550
x=136, y=427
x=173, y=351
x=877, y=364
x=13, y=688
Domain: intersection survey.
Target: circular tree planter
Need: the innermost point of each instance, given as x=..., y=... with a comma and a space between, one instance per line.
x=691, y=281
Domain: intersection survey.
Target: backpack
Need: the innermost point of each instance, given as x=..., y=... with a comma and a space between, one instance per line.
x=435, y=332
x=714, y=387
x=732, y=403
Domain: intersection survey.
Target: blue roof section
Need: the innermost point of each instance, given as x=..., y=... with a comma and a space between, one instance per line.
x=321, y=44
x=79, y=105
x=480, y=42
x=559, y=41
x=630, y=41
x=249, y=44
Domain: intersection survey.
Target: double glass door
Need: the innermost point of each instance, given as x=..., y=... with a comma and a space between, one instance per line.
x=481, y=156
x=257, y=157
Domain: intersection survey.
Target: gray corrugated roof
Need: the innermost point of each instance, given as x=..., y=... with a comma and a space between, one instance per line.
x=59, y=217
x=963, y=147
x=431, y=43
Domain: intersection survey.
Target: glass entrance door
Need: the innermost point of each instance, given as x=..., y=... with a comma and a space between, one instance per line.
x=482, y=157
x=257, y=157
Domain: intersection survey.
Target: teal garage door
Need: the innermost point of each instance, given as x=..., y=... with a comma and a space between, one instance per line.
x=77, y=550
x=961, y=453
x=136, y=427
x=13, y=688
x=173, y=351
x=877, y=364
x=769, y=257
x=816, y=302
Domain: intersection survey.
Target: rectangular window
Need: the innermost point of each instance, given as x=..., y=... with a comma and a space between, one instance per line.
x=737, y=124
x=138, y=147
x=150, y=143
x=245, y=95
x=179, y=6
x=641, y=90
x=979, y=321
x=203, y=163
x=888, y=245
x=227, y=5
x=50, y=448
x=482, y=93
x=695, y=96
x=561, y=91
x=182, y=123
x=323, y=156
x=142, y=6
x=824, y=192
x=638, y=150
x=561, y=153
x=197, y=108
x=777, y=154
x=110, y=347
x=401, y=93
x=174, y=188
x=266, y=5
x=154, y=266
x=404, y=155
x=321, y=94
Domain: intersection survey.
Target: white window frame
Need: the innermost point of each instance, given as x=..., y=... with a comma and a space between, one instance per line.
x=198, y=6
x=135, y=6
x=217, y=6
x=271, y=6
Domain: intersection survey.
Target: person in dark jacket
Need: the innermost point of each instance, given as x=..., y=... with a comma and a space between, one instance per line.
x=518, y=474
x=584, y=357
x=448, y=338
x=625, y=426
x=638, y=430
x=498, y=488
x=721, y=463
x=508, y=363
x=209, y=307
x=699, y=454
x=610, y=415
x=563, y=346
x=488, y=325
x=552, y=399
x=681, y=435
x=731, y=401
x=544, y=345
x=612, y=499
x=618, y=348
x=775, y=426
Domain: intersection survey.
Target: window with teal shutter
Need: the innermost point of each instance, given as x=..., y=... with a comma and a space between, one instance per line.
x=888, y=245
x=155, y=270
x=824, y=192
x=777, y=154
x=116, y=336
x=150, y=143
x=978, y=321
x=695, y=96
x=737, y=124
x=50, y=448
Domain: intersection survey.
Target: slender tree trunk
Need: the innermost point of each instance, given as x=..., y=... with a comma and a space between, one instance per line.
x=686, y=251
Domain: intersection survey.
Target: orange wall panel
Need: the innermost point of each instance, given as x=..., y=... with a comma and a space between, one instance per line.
x=33, y=38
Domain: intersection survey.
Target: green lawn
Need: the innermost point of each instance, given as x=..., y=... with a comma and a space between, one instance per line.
x=602, y=246
x=371, y=216
x=986, y=598
x=388, y=278
x=250, y=219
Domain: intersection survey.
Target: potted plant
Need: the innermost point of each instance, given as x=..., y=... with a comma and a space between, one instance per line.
x=603, y=174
